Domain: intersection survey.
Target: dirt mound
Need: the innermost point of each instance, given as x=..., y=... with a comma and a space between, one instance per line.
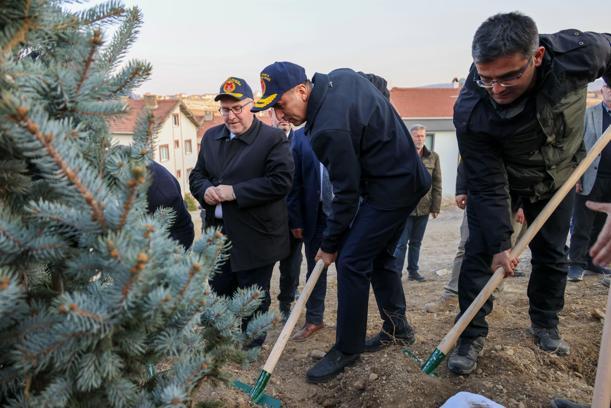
x=512, y=370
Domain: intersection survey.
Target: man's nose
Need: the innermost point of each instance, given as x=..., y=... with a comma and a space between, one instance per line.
x=279, y=114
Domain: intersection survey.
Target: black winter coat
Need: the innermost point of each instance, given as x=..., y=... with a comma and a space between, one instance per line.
x=259, y=166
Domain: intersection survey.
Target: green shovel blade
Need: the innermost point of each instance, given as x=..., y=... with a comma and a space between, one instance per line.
x=433, y=361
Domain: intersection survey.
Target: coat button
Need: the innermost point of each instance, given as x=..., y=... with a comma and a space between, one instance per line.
x=580, y=42
x=576, y=33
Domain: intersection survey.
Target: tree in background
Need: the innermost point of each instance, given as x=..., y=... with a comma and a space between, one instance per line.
x=98, y=306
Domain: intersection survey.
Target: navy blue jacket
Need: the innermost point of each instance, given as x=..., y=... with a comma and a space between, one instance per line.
x=164, y=191
x=304, y=199
x=367, y=149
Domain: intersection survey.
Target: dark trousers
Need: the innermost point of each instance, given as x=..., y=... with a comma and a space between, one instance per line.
x=412, y=235
x=549, y=268
x=315, y=306
x=587, y=223
x=366, y=256
x=289, y=272
x=226, y=282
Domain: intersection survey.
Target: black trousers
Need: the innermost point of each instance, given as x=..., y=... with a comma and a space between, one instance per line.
x=315, y=306
x=226, y=282
x=587, y=223
x=549, y=268
x=366, y=257
x=289, y=271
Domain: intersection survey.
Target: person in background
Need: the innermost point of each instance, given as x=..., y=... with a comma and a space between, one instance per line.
x=430, y=204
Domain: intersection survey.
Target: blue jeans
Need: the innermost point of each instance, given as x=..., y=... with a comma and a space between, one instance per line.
x=412, y=234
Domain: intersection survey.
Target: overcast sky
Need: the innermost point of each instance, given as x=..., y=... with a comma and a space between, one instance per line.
x=194, y=45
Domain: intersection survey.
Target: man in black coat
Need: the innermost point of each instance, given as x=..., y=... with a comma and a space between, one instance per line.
x=377, y=180
x=519, y=121
x=243, y=173
x=164, y=191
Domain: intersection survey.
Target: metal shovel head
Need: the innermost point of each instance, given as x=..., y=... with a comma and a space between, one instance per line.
x=264, y=400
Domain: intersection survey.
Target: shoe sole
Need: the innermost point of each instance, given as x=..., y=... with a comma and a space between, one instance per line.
x=320, y=380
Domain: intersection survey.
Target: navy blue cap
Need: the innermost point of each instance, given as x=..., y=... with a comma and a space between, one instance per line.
x=276, y=79
x=235, y=87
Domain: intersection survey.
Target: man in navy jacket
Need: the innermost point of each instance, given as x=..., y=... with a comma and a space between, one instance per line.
x=165, y=192
x=307, y=220
x=377, y=181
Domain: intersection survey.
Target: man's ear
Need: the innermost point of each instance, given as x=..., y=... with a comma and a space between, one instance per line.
x=538, y=58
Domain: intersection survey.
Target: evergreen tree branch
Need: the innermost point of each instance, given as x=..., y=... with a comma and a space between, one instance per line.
x=138, y=179
x=28, y=124
x=96, y=41
x=141, y=261
x=21, y=34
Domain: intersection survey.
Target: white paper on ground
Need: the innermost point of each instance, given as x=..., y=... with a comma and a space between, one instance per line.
x=469, y=400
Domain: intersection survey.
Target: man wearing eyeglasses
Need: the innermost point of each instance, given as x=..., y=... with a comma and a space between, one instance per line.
x=243, y=173
x=519, y=121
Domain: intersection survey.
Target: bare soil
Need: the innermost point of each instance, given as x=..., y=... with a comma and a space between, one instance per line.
x=512, y=371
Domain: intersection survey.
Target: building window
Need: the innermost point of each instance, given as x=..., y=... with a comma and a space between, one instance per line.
x=175, y=119
x=164, y=153
x=188, y=147
x=208, y=115
x=429, y=142
x=176, y=144
x=178, y=173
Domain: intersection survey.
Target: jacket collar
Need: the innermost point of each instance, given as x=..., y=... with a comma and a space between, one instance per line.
x=247, y=137
x=425, y=152
x=319, y=92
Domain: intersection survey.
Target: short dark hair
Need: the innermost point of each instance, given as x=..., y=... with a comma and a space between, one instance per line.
x=504, y=34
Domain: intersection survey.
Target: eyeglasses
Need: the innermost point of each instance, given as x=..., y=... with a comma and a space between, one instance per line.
x=235, y=109
x=504, y=82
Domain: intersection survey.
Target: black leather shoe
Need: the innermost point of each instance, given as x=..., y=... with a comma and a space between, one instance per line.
x=330, y=366
x=384, y=339
x=463, y=359
x=562, y=403
x=415, y=276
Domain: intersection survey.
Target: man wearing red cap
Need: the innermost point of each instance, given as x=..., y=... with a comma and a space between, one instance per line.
x=243, y=173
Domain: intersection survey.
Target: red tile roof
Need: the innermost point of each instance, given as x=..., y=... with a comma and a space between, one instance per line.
x=207, y=124
x=126, y=123
x=424, y=102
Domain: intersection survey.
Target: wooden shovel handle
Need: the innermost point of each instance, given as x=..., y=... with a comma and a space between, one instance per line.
x=283, y=338
x=450, y=339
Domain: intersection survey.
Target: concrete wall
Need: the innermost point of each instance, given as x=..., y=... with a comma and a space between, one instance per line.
x=445, y=145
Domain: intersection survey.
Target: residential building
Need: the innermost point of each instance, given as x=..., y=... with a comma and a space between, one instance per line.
x=176, y=138
x=433, y=108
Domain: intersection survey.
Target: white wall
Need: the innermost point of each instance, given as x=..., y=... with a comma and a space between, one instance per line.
x=446, y=147
x=178, y=159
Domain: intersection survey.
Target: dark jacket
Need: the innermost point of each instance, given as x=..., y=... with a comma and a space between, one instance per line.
x=164, y=191
x=259, y=166
x=304, y=199
x=431, y=202
x=534, y=161
x=359, y=137
x=461, y=179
